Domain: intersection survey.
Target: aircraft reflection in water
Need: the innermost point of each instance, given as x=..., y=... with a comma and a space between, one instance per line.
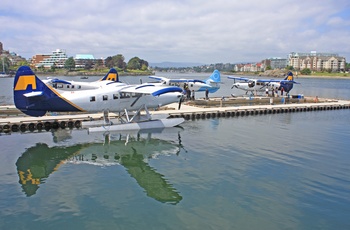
x=38, y=162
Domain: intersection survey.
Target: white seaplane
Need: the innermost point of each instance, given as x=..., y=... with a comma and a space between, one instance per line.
x=254, y=85
x=34, y=98
x=212, y=83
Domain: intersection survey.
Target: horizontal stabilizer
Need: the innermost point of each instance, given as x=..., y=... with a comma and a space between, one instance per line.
x=33, y=94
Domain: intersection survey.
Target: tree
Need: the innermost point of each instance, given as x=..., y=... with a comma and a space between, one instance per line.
x=347, y=66
x=305, y=71
x=7, y=64
x=289, y=67
x=98, y=64
x=88, y=65
x=53, y=67
x=69, y=64
x=134, y=63
x=119, y=61
x=109, y=62
x=137, y=64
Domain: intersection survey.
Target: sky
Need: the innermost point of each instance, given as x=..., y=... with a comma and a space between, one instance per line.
x=208, y=32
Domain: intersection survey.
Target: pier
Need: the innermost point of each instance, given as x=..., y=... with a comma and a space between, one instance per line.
x=12, y=120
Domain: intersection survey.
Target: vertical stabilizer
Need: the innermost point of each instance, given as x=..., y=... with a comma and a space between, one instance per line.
x=112, y=75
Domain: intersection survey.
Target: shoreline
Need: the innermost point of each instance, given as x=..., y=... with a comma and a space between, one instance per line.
x=323, y=76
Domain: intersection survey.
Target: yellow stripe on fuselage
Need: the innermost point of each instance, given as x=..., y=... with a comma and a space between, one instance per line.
x=69, y=102
x=24, y=81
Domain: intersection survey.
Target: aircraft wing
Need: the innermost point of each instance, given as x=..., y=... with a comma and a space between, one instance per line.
x=185, y=81
x=279, y=81
x=158, y=78
x=176, y=80
x=239, y=78
x=150, y=89
x=61, y=81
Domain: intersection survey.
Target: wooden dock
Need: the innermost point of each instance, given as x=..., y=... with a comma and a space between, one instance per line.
x=12, y=120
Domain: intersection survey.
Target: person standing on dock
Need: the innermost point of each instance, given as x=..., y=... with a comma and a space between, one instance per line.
x=282, y=91
x=206, y=94
x=192, y=95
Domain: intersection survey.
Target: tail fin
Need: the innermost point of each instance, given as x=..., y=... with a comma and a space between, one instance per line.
x=214, y=77
x=288, y=82
x=34, y=98
x=112, y=75
x=214, y=81
x=289, y=76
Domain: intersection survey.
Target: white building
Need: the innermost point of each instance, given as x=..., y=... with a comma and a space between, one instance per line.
x=57, y=58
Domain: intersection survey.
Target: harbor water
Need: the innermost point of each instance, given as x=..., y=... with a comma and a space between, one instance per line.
x=274, y=171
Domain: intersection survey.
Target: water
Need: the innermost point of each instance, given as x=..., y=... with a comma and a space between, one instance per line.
x=277, y=171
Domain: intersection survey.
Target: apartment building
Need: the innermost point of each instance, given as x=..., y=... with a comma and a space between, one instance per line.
x=317, y=61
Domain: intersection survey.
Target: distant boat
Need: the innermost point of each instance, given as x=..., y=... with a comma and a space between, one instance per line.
x=84, y=77
x=4, y=75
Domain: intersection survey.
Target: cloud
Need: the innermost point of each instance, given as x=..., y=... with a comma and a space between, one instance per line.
x=192, y=30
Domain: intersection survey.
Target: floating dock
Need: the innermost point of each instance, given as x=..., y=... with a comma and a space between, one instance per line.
x=12, y=120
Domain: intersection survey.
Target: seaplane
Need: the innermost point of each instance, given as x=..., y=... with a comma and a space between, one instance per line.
x=35, y=98
x=212, y=83
x=254, y=86
x=111, y=76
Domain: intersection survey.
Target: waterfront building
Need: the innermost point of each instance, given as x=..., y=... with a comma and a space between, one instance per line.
x=249, y=67
x=57, y=59
x=82, y=60
x=317, y=61
x=276, y=62
x=36, y=59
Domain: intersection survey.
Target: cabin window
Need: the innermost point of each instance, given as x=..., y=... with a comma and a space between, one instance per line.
x=105, y=97
x=67, y=86
x=191, y=85
x=79, y=86
x=115, y=96
x=72, y=86
x=125, y=95
x=92, y=99
x=59, y=86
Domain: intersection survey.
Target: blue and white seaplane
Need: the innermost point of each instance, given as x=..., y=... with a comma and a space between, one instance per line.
x=254, y=85
x=212, y=83
x=111, y=76
x=35, y=98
